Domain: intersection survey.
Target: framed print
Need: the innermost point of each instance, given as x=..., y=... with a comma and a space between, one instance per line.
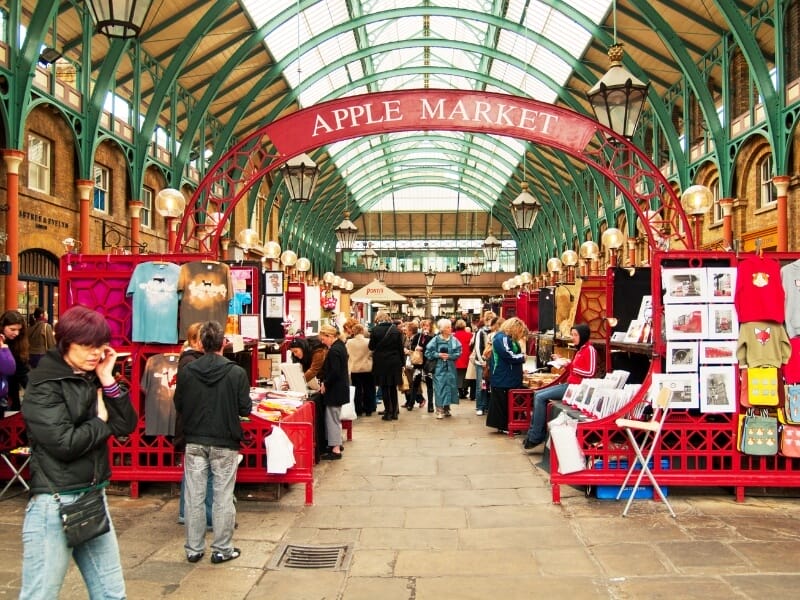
x=721, y=284
x=274, y=306
x=634, y=333
x=273, y=282
x=722, y=322
x=684, y=285
x=683, y=388
x=645, y=309
x=682, y=357
x=721, y=352
x=718, y=389
x=686, y=321
x=250, y=326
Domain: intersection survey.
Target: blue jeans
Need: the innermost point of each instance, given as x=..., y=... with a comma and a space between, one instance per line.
x=538, y=429
x=209, y=500
x=198, y=463
x=46, y=557
x=481, y=394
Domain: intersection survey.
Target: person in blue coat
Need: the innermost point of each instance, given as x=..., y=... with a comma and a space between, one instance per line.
x=506, y=362
x=445, y=348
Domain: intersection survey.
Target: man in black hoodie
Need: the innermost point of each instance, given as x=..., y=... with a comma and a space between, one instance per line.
x=211, y=394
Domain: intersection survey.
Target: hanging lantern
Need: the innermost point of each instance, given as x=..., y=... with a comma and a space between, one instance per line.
x=119, y=18
x=618, y=98
x=524, y=208
x=300, y=174
x=346, y=232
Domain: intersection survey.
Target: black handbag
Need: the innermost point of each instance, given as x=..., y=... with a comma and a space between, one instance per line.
x=84, y=519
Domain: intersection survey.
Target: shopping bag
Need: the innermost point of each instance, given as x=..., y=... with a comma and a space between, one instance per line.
x=348, y=411
x=564, y=438
x=762, y=386
x=405, y=384
x=759, y=434
x=790, y=441
x=791, y=405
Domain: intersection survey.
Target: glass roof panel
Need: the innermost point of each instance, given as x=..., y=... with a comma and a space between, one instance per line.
x=557, y=32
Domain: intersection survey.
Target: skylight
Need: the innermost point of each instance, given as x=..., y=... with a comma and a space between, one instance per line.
x=412, y=44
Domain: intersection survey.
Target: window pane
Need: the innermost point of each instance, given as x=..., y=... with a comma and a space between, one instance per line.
x=38, y=163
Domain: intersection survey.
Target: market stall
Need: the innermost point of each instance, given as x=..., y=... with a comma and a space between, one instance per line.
x=696, y=354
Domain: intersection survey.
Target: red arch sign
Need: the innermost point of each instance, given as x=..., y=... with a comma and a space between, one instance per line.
x=628, y=168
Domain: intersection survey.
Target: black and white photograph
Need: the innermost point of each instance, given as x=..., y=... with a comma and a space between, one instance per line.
x=682, y=286
x=273, y=282
x=274, y=306
x=683, y=388
x=721, y=284
x=718, y=389
x=722, y=322
x=682, y=357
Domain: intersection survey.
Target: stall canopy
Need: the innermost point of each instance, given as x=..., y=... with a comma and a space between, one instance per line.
x=375, y=291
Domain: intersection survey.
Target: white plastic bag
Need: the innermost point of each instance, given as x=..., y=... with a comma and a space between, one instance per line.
x=348, y=412
x=564, y=438
x=280, y=451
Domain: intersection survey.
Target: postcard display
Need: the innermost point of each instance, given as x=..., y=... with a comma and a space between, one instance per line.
x=718, y=313
x=138, y=296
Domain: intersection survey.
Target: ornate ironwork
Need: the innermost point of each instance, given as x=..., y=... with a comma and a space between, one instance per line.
x=112, y=238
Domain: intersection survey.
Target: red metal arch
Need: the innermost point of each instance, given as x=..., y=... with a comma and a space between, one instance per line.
x=244, y=165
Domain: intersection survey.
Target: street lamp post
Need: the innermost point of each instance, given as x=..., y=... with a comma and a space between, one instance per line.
x=170, y=204
x=430, y=278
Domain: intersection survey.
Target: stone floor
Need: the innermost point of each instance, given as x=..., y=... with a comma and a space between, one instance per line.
x=447, y=508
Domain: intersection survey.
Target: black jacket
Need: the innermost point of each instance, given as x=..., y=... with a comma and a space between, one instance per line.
x=388, y=353
x=337, y=378
x=68, y=441
x=211, y=394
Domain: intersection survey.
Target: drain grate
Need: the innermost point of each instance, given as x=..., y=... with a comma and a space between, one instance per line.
x=330, y=558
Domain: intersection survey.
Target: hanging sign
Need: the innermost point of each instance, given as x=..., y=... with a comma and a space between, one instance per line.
x=416, y=110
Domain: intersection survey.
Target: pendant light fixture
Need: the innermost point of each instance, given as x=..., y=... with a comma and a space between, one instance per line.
x=618, y=98
x=491, y=245
x=119, y=18
x=346, y=231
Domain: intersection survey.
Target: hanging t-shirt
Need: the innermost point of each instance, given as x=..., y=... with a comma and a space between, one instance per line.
x=154, y=288
x=205, y=288
x=239, y=301
x=762, y=344
x=241, y=296
x=158, y=385
x=759, y=294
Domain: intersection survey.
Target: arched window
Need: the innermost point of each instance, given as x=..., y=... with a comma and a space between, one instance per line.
x=38, y=282
x=765, y=191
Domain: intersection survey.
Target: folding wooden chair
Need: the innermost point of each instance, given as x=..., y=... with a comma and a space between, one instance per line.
x=644, y=450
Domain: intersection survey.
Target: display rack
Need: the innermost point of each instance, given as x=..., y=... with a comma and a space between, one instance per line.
x=697, y=449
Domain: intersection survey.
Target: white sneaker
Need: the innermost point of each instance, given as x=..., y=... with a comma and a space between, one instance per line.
x=479, y=413
x=439, y=415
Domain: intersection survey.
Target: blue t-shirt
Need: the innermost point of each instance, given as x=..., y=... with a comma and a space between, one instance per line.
x=154, y=287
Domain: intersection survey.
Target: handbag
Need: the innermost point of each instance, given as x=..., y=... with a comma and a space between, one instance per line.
x=348, y=411
x=417, y=358
x=791, y=405
x=759, y=434
x=762, y=386
x=790, y=441
x=471, y=372
x=404, y=383
x=84, y=519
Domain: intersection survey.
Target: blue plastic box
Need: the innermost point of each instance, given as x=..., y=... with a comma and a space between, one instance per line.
x=645, y=492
